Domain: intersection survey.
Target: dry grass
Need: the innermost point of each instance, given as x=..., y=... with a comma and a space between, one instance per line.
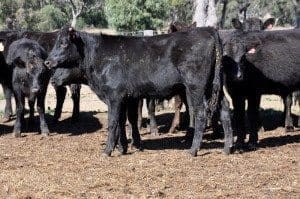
x=68, y=164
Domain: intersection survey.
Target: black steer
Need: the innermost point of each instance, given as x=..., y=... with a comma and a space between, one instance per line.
x=120, y=69
x=30, y=79
x=256, y=63
x=46, y=40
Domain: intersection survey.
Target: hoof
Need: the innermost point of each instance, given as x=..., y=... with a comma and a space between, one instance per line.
x=193, y=152
x=240, y=147
x=289, y=129
x=105, y=155
x=122, y=150
x=45, y=132
x=252, y=146
x=137, y=147
x=17, y=134
x=228, y=150
x=45, y=135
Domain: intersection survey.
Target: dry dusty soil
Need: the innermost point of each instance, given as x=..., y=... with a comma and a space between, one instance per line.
x=68, y=164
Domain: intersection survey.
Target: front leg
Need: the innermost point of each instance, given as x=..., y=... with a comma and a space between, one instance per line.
x=31, y=110
x=226, y=123
x=151, y=114
x=176, y=119
x=8, y=108
x=41, y=111
x=254, y=120
x=200, y=123
x=123, y=143
x=20, y=101
x=132, y=110
x=75, y=91
x=289, y=127
x=239, y=120
x=60, y=98
x=114, y=108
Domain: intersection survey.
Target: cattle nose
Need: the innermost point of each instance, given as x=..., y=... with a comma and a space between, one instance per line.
x=239, y=75
x=34, y=90
x=47, y=63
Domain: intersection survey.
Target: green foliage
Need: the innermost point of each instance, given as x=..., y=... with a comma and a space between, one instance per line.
x=80, y=23
x=181, y=10
x=95, y=17
x=282, y=10
x=47, y=15
x=50, y=18
x=136, y=14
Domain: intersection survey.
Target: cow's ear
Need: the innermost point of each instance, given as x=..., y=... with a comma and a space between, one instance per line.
x=194, y=24
x=237, y=24
x=172, y=28
x=269, y=24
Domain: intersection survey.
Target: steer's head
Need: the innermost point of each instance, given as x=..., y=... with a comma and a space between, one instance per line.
x=68, y=49
x=236, y=48
x=27, y=55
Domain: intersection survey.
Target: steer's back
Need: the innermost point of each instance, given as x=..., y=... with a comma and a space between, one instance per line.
x=153, y=65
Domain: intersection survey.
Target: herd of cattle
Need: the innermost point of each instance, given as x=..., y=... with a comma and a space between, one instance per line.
x=190, y=63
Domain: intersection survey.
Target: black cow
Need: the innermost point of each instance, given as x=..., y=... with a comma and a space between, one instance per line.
x=46, y=40
x=122, y=69
x=30, y=79
x=256, y=63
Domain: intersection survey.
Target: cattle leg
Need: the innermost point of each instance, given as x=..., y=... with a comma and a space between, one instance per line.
x=176, y=119
x=191, y=111
x=31, y=110
x=114, y=108
x=226, y=123
x=121, y=130
x=151, y=113
x=239, y=120
x=20, y=101
x=60, y=98
x=254, y=120
x=289, y=127
x=75, y=90
x=132, y=112
x=200, y=122
x=8, y=108
x=41, y=111
x=140, y=114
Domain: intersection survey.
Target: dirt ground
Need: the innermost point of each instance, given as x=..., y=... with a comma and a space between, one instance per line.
x=69, y=164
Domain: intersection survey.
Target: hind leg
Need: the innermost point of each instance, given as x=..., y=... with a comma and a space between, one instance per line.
x=75, y=91
x=8, y=108
x=289, y=127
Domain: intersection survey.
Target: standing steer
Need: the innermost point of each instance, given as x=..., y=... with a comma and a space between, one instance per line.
x=46, y=40
x=121, y=69
x=256, y=63
x=30, y=79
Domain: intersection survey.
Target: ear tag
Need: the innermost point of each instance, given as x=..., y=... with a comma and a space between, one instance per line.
x=1, y=47
x=251, y=51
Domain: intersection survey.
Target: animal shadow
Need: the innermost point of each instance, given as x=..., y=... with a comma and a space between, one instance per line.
x=87, y=123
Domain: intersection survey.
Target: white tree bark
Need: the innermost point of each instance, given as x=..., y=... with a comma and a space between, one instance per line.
x=205, y=13
x=77, y=9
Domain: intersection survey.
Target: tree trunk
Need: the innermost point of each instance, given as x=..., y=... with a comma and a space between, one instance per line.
x=222, y=22
x=74, y=20
x=205, y=13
